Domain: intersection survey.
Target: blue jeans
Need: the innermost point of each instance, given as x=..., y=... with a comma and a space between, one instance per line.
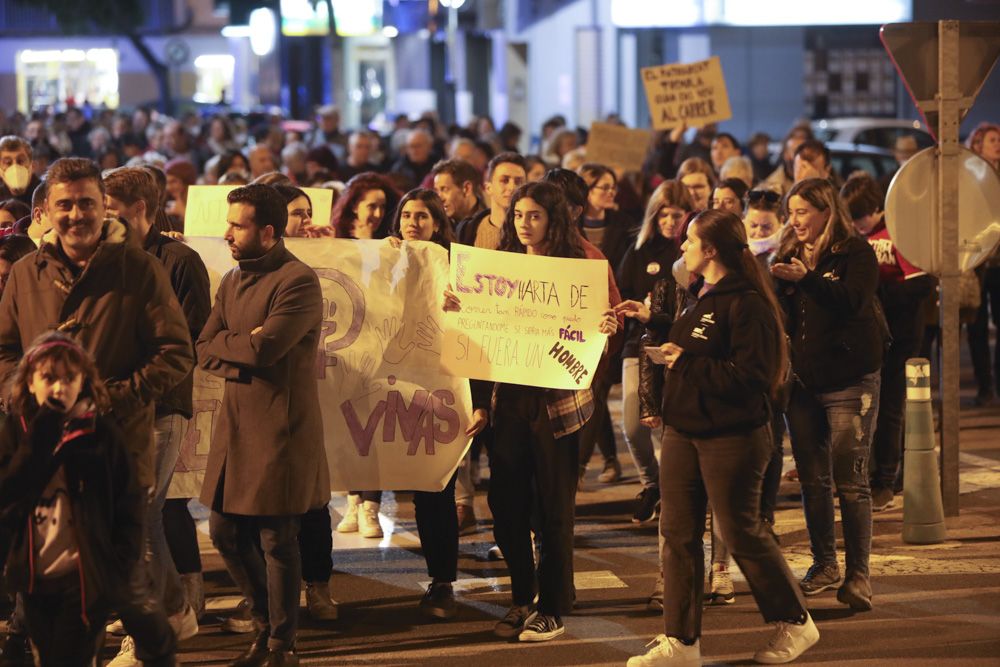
x=831, y=436
x=271, y=582
x=638, y=438
x=166, y=582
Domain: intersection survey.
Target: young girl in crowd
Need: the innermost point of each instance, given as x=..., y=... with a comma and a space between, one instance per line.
x=646, y=263
x=536, y=449
x=421, y=217
x=650, y=289
x=603, y=226
x=902, y=289
x=827, y=281
x=361, y=213
x=763, y=234
x=724, y=359
x=69, y=495
x=728, y=196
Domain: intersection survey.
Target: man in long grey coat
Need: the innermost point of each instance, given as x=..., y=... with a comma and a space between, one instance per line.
x=266, y=465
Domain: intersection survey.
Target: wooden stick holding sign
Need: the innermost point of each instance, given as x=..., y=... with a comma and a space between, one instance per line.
x=693, y=94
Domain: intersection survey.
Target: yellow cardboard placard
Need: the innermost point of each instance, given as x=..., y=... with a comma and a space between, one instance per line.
x=206, y=209
x=617, y=146
x=691, y=93
x=525, y=319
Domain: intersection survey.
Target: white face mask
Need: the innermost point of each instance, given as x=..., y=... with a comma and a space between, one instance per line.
x=761, y=246
x=17, y=178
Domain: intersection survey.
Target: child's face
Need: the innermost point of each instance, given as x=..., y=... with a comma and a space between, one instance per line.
x=60, y=392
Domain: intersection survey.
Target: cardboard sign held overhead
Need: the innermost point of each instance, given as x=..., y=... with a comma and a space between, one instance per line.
x=617, y=146
x=691, y=93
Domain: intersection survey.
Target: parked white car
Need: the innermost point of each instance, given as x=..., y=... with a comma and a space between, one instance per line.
x=880, y=132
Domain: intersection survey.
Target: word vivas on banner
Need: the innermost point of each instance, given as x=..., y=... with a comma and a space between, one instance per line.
x=392, y=420
x=525, y=319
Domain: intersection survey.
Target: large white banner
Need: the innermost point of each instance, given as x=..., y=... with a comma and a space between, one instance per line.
x=391, y=419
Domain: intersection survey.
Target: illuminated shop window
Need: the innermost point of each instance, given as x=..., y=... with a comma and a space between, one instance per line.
x=67, y=77
x=215, y=78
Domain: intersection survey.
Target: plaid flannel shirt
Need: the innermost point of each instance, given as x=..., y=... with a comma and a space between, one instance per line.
x=568, y=409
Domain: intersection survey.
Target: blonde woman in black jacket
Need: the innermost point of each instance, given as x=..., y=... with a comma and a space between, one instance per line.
x=827, y=277
x=724, y=359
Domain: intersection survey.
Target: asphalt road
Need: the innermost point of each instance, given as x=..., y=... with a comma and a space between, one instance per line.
x=934, y=604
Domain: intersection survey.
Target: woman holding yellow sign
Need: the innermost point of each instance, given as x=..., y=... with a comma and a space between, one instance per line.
x=536, y=448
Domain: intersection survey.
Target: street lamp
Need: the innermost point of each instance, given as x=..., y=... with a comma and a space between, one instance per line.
x=263, y=31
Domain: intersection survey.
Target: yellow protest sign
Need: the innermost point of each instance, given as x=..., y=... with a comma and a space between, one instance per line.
x=691, y=93
x=617, y=146
x=391, y=418
x=206, y=208
x=525, y=319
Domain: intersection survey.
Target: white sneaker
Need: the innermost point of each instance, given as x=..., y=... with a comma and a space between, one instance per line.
x=349, y=524
x=115, y=628
x=368, y=524
x=788, y=642
x=319, y=603
x=126, y=655
x=670, y=652
x=723, y=591
x=184, y=623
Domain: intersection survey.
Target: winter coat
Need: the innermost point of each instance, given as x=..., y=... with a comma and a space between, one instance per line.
x=465, y=231
x=267, y=455
x=121, y=309
x=720, y=384
x=639, y=271
x=663, y=306
x=189, y=280
x=106, y=501
x=832, y=321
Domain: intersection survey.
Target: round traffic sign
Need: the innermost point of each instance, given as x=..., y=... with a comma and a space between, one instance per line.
x=911, y=210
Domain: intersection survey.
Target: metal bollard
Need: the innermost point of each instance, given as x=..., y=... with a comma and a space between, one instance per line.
x=923, y=513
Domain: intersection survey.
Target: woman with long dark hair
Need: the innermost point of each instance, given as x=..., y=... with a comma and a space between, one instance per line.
x=362, y=212
x=827, y=281
x=536, y=447
x=420, y=216
x=725, y=357
x=611, y=232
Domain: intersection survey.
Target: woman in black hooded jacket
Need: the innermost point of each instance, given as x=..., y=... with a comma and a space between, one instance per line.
x=724, y=358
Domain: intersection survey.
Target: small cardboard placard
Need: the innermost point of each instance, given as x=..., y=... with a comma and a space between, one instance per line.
x=617, y=146
x=691, y=93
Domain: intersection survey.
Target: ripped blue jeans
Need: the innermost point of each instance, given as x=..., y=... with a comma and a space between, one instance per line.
x=831, y=437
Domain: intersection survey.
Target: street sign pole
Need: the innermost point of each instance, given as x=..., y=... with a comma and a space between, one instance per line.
x=949, y=116
x=944, y=66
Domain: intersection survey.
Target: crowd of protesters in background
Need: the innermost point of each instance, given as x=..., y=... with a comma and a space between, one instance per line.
x=724, y=263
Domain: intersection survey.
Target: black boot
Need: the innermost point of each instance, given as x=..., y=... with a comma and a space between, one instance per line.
x=256, y=655
x=282, y=659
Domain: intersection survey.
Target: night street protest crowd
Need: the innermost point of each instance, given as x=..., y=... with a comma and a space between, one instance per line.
x=747, y=297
